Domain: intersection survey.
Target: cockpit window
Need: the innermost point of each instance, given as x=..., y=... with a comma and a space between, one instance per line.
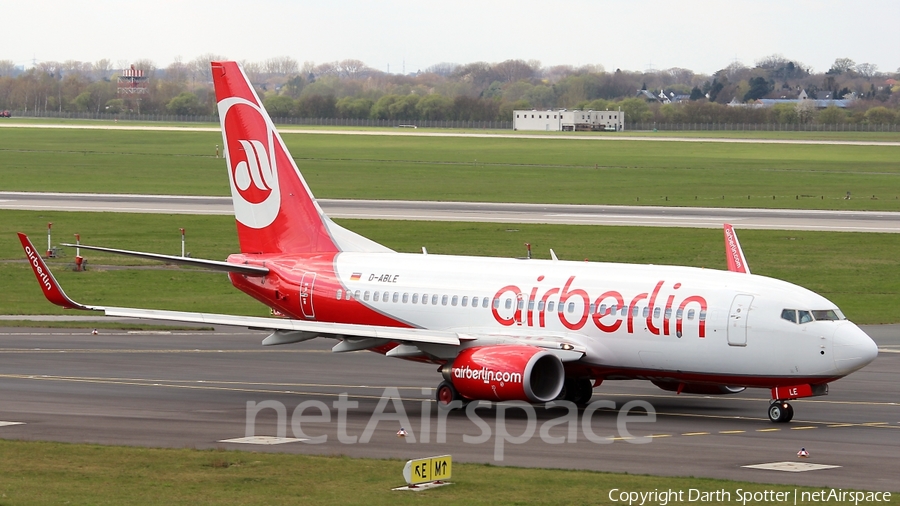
x=825, y=314
x=805, y=316
x=789, y=315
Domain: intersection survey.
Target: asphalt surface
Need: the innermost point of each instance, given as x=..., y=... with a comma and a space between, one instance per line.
x=192, y=389
x=693, y=217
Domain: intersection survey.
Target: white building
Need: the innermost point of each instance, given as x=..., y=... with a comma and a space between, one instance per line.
x=567, y=121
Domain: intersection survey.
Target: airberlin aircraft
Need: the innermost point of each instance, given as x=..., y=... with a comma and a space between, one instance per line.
x=500, y=329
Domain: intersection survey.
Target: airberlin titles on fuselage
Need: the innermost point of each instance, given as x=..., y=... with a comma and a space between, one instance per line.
x=608, y=311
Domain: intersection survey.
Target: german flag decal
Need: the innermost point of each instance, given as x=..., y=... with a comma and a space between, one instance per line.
x=356, y=276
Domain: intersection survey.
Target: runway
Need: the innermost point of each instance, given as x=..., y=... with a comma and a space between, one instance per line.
x=650, y=216
x=191, y=389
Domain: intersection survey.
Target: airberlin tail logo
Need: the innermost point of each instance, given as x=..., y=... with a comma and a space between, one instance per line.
x=253, y=171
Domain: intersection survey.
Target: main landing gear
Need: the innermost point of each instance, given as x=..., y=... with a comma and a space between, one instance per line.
x=577, y=390
x=446, y=393
x=780, y=411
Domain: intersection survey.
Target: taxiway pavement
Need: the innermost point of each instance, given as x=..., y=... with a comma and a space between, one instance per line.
x=192, y=389
x=655, y=216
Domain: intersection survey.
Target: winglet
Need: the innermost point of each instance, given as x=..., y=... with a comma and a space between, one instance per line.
x=733, y=252
x=49, y=285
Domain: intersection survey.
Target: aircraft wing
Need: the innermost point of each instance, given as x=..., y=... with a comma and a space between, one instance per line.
x=309, y=329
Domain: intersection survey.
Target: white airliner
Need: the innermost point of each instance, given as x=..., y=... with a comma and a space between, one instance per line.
x=498, y=328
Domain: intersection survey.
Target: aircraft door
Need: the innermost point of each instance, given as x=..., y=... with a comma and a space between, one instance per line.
x=737, y=320
x=307, y=283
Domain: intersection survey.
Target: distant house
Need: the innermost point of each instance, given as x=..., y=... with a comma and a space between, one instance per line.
x=823, y=102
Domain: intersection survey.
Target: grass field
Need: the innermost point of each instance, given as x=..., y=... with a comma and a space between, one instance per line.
x=470, y=169
x=33, y=473
x=857, y=271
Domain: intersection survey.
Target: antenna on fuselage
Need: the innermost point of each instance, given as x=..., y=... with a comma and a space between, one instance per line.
x=553, y=255
x=424, y=251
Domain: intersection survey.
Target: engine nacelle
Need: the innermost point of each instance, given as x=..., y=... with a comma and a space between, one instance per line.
x=698, y=388
x=507, y=373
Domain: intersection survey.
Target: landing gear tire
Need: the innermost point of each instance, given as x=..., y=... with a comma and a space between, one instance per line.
x=781, y=412
x=578, y=390
x=445, y=395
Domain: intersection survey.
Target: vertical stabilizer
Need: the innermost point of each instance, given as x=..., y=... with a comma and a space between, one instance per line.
x=274, y=209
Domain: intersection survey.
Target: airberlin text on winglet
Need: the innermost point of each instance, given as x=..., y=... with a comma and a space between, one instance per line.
x=36, y=264
x=612, y=296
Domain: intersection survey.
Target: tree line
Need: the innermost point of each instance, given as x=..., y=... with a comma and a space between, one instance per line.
x=477, y=91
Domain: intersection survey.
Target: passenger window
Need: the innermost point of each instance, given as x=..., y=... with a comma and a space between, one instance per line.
x=541, y=306
x=646, y=311
x=415, y=299
x=396, y=297
x=349, y=295
x=384, y=296
x=702, y=315
x=366, y=296
x=434, y=300
x=690, y=314
x=571, y=307
x=484, y=302
x=805, y=316
x=613, y=309
x=496, y=303
x=520, y=303
x=474, y=302
x=656, y=312
x=789, y=315
x=454, y=300
x=444, y=300
x=375, y=296
x=424, y=298
x=340, y=294
x=465, y=301
x=591, y=308
x=550, y=306
x=635, y=311
x=668, y=313
x=356, y=295
x=508, y=303
x=602, y=309
x=624, y=310
x=405, y=298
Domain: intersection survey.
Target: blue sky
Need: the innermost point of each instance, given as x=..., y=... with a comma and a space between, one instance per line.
x=700, y=36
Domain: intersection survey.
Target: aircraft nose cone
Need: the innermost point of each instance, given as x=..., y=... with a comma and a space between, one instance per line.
x=853, y=348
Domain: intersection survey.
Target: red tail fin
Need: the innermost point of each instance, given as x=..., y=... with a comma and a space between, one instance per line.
x=733, y=252
x=274, y=209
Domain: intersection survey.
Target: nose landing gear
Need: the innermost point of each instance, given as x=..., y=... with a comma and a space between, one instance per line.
x=780, y=411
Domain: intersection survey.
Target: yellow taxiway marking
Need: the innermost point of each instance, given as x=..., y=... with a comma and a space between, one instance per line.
x=804, y=427
x=843, y=425
x=873, y=424
x=659, y=435
x=695, y=434
x=621, y=438
x=767, y=430
x=731, y=431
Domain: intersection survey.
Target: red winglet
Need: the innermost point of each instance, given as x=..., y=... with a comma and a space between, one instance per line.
x=49, y=285
x=733, y=252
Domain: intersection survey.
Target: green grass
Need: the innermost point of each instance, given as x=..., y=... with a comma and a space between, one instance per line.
x=470, y=169
x=858, y=271
x=36, y=473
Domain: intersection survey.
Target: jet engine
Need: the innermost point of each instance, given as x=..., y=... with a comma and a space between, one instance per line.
x=697, y=388
x=506, y=373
